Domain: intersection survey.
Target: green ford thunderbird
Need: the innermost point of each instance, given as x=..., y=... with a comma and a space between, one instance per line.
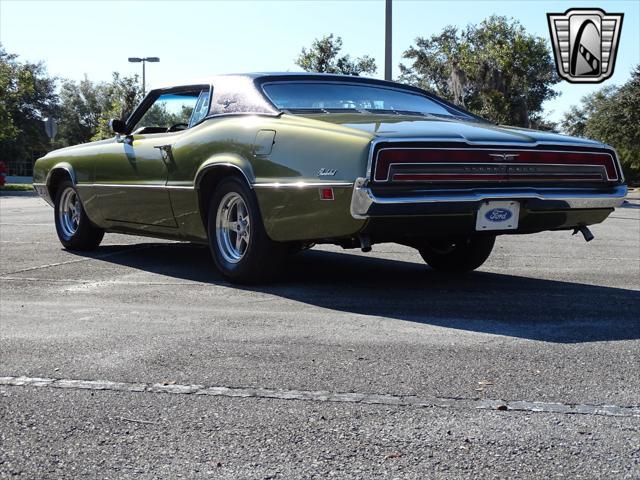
x=261, y=165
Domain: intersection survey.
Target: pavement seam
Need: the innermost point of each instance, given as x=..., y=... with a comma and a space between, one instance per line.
x=78, y=260
x=324, y=396
x=25, y=224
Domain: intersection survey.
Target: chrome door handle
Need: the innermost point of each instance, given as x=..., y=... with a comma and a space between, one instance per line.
x=167, y=155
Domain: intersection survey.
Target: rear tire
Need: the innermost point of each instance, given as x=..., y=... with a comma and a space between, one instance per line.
x=75, y=230
x=240, y=246
x=457, y=255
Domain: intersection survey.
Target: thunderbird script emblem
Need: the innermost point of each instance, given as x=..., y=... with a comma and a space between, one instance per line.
x=585, y=43
x=327, y=172
x=503, y=156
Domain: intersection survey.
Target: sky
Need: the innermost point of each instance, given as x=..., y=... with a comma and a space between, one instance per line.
x=196, y=39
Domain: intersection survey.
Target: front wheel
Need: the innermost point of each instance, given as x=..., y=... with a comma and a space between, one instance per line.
x=240, y=246
x=457, y=255
x=75, y=230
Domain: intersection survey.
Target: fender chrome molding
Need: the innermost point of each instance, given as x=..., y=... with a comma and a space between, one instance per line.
x=363, y=198
x=62, y=166
x=202, y=172
x=42, y=188
x=277, y=185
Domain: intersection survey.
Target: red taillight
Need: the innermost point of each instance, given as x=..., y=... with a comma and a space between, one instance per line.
x=400, y=164
x=326, y=194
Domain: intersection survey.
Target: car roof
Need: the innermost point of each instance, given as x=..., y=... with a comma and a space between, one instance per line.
x=263, y=77
x=242, y=92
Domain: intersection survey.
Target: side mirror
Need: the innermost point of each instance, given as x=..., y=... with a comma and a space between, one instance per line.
x=118, y=126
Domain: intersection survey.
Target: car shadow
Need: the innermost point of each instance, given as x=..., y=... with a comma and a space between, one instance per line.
x=628, y=204
x=492, y=303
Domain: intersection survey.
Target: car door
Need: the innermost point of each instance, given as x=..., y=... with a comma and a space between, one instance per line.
x=131, y=176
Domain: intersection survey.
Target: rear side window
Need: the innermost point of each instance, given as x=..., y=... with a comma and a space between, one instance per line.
x=201, y=109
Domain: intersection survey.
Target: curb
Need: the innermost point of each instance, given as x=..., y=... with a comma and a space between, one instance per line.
x=17, y=193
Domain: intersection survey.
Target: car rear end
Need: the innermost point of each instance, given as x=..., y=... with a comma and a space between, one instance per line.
x=429, y=189
x=437, y=171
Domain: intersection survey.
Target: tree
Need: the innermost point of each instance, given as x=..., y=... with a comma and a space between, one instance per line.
x=495, y=69
x=86, y=108
x=81, y=105
x=323, y=57
x=612, y=115
x=82, y=109
x=121, y=97
x=27, y=95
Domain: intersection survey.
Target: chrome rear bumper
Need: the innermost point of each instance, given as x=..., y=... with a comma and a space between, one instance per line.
x=365, y=203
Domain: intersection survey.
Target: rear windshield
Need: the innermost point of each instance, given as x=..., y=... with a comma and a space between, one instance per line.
x=343, y=96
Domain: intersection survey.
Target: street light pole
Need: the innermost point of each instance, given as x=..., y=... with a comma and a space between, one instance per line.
x=387, y=41
x=144, y=60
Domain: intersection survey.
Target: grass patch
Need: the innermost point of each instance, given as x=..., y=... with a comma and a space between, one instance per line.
x=17, y=187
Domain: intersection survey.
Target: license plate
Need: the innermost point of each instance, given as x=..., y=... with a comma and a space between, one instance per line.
x=498, y=215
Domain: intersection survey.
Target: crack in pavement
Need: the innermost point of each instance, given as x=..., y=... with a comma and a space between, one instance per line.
x=84, y=259
x=110, y=282
x=324, y=396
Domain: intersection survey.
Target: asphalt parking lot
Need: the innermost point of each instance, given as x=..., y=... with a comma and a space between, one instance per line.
x=139, y=360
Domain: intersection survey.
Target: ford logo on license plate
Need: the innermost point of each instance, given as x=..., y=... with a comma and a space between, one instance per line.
x=498, y=215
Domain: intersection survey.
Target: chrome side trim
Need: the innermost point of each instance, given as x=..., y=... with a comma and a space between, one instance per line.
x=301, y=184
x=128, y=185
x=363, y=198
x=191, y=187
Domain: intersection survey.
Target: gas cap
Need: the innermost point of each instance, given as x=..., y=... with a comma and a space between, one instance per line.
x=264, y=142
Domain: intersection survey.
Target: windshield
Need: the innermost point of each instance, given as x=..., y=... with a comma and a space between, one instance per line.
x=343, y=96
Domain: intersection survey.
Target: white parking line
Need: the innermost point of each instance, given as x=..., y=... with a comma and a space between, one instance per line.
x=324, y=396
x=26, y=224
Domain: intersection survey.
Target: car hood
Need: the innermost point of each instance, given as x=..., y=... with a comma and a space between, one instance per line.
x=80, y=146
x=410, y=127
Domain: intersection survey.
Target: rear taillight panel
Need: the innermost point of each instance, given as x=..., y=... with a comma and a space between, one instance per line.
x=398, y=164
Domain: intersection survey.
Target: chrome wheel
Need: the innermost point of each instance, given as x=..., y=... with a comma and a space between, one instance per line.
x=69, y=212
x=233, y=227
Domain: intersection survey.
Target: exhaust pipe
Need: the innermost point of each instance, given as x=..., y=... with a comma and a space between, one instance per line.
x=365, y=243
x=586, y=233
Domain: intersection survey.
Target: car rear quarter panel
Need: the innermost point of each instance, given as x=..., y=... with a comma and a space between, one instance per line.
x=288, y=181
x=285, y=181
